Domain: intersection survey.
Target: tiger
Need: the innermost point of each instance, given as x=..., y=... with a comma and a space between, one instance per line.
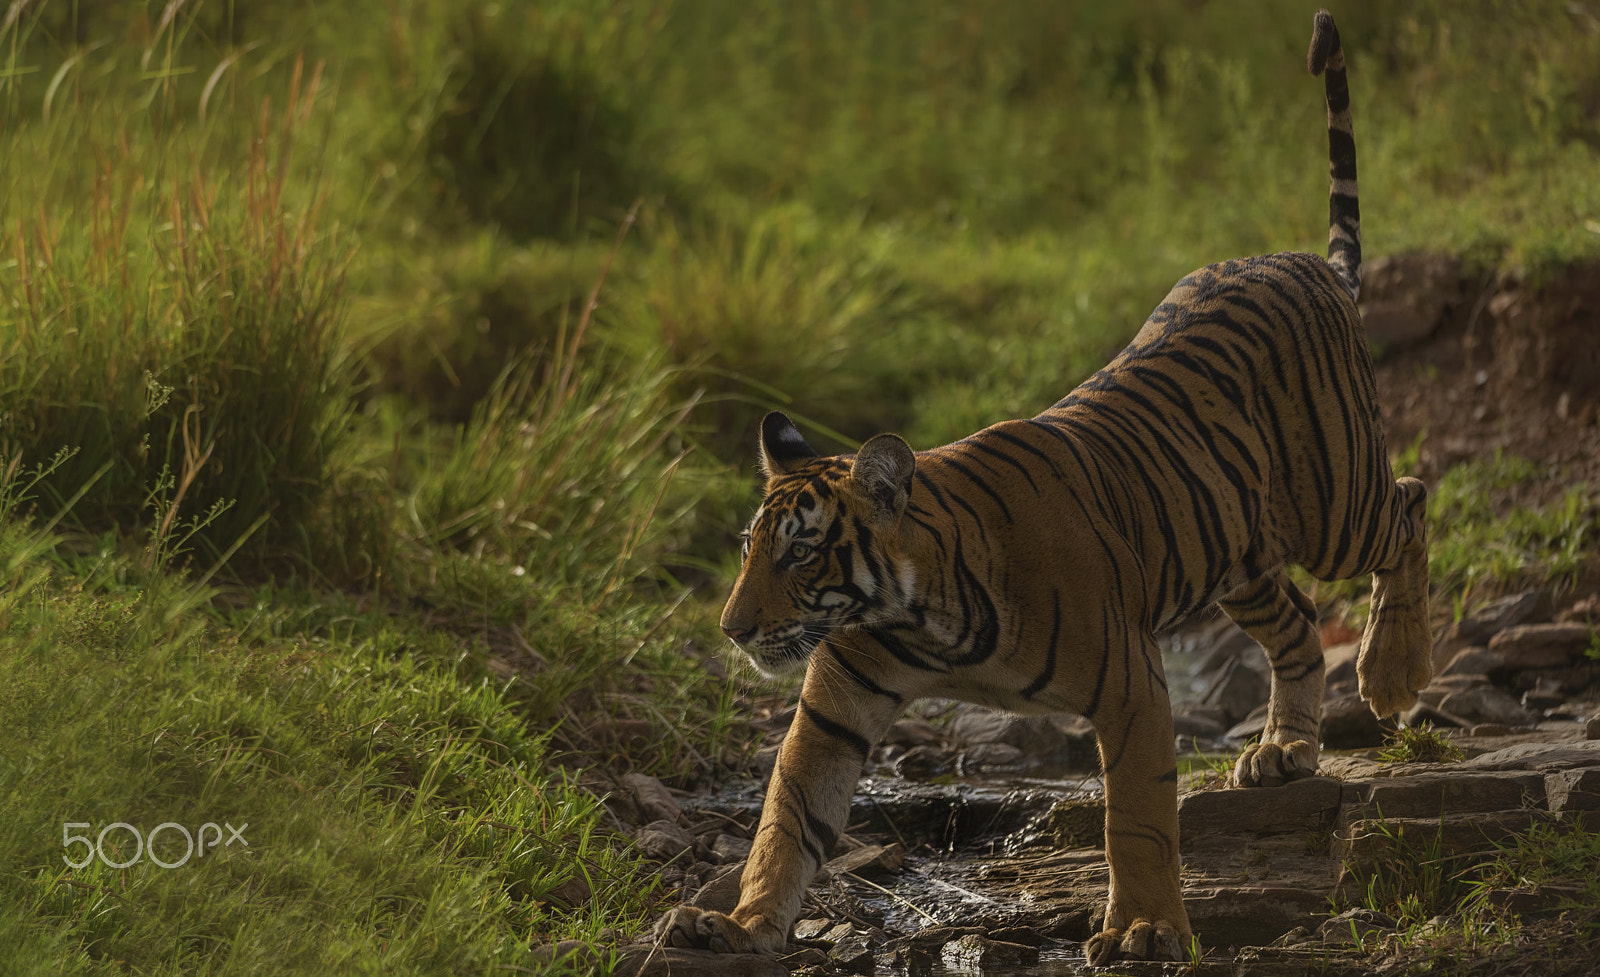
x=1031, y=566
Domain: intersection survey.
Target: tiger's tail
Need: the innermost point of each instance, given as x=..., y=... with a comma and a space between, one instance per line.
x=1344, y=209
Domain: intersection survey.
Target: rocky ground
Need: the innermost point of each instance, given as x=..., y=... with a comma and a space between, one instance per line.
x=974, y=842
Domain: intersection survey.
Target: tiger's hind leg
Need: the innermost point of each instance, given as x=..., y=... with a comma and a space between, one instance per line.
x=1273, y=611
x=1396, y=657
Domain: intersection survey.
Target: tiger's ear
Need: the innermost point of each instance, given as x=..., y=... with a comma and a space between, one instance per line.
x=882, y=472
x=781, y=449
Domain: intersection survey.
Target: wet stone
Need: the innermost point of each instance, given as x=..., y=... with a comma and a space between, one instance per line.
x=868, y=861
x=647, y=961
x=1021, y=935
x=853, y=956
x=1251, y=915
x=809, y=957
x=938, y=936
x=811, y=929
x=979, y=953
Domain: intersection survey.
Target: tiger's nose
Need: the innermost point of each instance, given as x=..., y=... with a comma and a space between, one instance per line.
x=736, y=634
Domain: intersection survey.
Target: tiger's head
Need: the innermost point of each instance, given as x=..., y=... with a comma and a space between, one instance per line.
x=822, y=553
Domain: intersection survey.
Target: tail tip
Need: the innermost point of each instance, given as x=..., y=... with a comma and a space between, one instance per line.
x=1324, y=42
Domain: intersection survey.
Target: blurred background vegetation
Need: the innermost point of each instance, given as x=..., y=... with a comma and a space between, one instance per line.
x=432, y=334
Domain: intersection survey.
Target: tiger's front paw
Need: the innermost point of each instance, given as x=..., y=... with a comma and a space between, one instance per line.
x=689, y=928
x=1274, y=764
x=1143, y=939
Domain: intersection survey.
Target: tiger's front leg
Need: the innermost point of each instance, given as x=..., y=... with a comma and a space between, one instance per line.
x=808, y=798
x=1145, y=918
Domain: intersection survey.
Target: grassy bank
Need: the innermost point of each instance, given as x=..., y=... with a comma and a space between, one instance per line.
x=377, y=388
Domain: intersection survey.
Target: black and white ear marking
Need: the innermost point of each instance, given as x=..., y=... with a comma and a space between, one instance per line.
x=782, y=449
x=882, y=471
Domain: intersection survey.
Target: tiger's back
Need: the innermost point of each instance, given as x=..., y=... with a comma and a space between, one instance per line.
x=1243, y=420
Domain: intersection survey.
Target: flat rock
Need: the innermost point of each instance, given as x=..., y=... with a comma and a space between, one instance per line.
x=1349, y=767
x=811, y=929
x=1426, y=795
x=1486, y=704
x=1300, y=805
x=869, y=860
x=1540, y=756
x=1573, y=790
x=1251, y=915
x=1542, y=645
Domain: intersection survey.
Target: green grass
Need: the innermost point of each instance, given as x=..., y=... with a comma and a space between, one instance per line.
x=378, y=382
x=403, y=815
x=1483, y=541
x=1450, y=908
x=1419, y=744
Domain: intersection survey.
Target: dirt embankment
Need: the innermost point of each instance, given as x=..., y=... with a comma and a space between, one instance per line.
x=1484, y=363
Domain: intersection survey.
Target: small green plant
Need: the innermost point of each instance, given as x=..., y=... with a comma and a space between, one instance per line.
x=1419, y=744
x=1211, y=767
x=1406, y=877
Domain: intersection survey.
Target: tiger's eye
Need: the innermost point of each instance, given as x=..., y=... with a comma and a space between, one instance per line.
x=799, y=551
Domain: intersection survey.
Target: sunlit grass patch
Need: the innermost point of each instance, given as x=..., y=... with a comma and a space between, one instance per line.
x=399, y=811
x=1419, y=744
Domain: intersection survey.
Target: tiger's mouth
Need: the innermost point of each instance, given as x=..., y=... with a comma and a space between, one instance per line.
x=783, y=651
